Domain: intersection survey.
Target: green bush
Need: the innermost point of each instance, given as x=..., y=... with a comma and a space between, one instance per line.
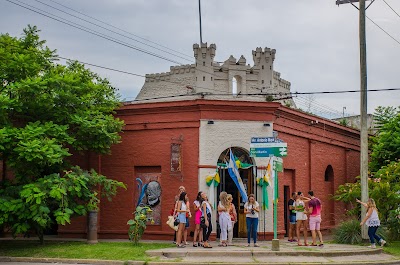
x=394, y=225
x=138, y=224
x=348, y=232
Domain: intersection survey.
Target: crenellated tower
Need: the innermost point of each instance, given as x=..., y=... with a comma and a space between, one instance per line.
x=264, y=64
x=204, y=72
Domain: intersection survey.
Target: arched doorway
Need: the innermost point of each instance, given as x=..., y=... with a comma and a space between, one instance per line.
x=245, y=165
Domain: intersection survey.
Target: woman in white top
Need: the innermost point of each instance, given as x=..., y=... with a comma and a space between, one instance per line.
x=206, y=211
x=372, y=221
x=251, y=209
x=301, y=217
x=182, y=210
x=225, y=223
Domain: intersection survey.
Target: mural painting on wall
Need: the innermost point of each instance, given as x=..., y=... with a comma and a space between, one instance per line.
x=176, y=158
x=149, y=190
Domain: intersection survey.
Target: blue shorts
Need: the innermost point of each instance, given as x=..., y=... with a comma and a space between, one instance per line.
x=182, y=218
x=292, y=219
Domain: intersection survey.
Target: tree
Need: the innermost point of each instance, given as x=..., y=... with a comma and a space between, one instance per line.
x=47, y=110
x=385, y=146
x=384, y=166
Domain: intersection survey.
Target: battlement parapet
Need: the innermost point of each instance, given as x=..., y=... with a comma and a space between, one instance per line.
x=267, y=53
x=202, y=51
x=175, y=70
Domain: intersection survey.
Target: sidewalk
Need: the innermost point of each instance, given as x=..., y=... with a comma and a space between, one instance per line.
x=289, y=253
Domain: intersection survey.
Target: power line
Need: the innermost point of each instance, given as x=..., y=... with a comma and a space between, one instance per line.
x=223, y=94
x=93, y=32
x=387, y=33
x=113, y=31
x=108, y=24
x=391, y=8
x=96, y=33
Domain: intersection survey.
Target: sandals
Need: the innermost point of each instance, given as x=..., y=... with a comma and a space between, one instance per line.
x=314, y=245
x=194, y=245
x=299, y=244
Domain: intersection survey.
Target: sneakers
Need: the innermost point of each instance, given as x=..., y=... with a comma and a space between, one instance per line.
x=256, y=245
x=383, y=242
x=372, y=246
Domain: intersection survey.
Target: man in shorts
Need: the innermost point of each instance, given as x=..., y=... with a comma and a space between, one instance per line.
x=314, y=208
x=292, y=218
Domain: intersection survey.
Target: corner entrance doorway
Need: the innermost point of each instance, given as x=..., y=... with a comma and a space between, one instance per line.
x=245, y=165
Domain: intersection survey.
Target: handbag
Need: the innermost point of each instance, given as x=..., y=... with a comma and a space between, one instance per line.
x=202, y=222
x=176, y=221
x=171, y=223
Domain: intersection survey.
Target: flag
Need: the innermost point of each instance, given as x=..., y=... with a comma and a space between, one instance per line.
x=234, y=173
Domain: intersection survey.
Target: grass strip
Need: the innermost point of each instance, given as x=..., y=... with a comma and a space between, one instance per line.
x=79, y=250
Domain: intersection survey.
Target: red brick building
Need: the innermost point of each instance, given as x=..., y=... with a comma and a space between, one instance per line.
x=181, y=142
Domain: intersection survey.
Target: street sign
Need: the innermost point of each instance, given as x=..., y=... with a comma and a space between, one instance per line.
x=268, y=151
x=265, y=145
x=278, y=166
x=262, y=139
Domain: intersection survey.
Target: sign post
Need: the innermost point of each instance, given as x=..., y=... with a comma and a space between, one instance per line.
x=269, y=147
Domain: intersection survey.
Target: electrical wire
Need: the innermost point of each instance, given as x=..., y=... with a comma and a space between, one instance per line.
x=93, y=32
x=88, y=30
x=110, y=25
x=113, y=31
x=391, y=8
x=387, y=33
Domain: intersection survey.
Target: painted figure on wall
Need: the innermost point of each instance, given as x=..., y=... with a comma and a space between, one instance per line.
x=149, y=194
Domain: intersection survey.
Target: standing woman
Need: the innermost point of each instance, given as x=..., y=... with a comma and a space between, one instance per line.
x=251, y=209
x=225, y=222
x=372, y=221
x=301, y=217
x=197, y=218
x=233, y=216
x=206, y=214
x=182, y=210
x=175, y=213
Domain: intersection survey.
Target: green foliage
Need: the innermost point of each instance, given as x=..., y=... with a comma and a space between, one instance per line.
x=384, y=188
x=348, y=232
x=385, y=146
x=137, y=225
x=344, y=122
x=348, y=193
x=269, y=98
x=46, y=109
x=393, y=224
x=32, y=206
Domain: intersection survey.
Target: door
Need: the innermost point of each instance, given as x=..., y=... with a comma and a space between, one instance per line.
x=227, y=184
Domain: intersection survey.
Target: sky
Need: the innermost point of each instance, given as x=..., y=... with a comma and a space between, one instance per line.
x=316, y=41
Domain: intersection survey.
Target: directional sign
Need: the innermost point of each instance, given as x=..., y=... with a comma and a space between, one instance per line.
x=265, y=145
x=268, y=151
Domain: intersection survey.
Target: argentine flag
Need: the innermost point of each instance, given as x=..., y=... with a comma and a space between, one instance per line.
x=234, y=173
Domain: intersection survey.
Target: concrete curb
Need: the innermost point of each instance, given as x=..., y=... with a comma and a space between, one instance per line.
x=394, y=262
x=132, y=262
x=257, y=253
x=77, y=261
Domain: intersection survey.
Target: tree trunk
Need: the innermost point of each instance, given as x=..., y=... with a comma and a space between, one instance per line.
x=92, y=227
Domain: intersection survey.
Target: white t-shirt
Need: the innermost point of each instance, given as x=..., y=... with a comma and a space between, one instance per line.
x=300, y=214
x=250, y=206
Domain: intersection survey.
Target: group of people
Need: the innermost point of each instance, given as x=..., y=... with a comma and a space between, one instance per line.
x=202, y=215
x=302, y=209
x=227, y=217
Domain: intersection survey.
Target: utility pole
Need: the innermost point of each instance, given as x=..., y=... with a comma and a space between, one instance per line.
x=363, y=106
x=201, y=37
